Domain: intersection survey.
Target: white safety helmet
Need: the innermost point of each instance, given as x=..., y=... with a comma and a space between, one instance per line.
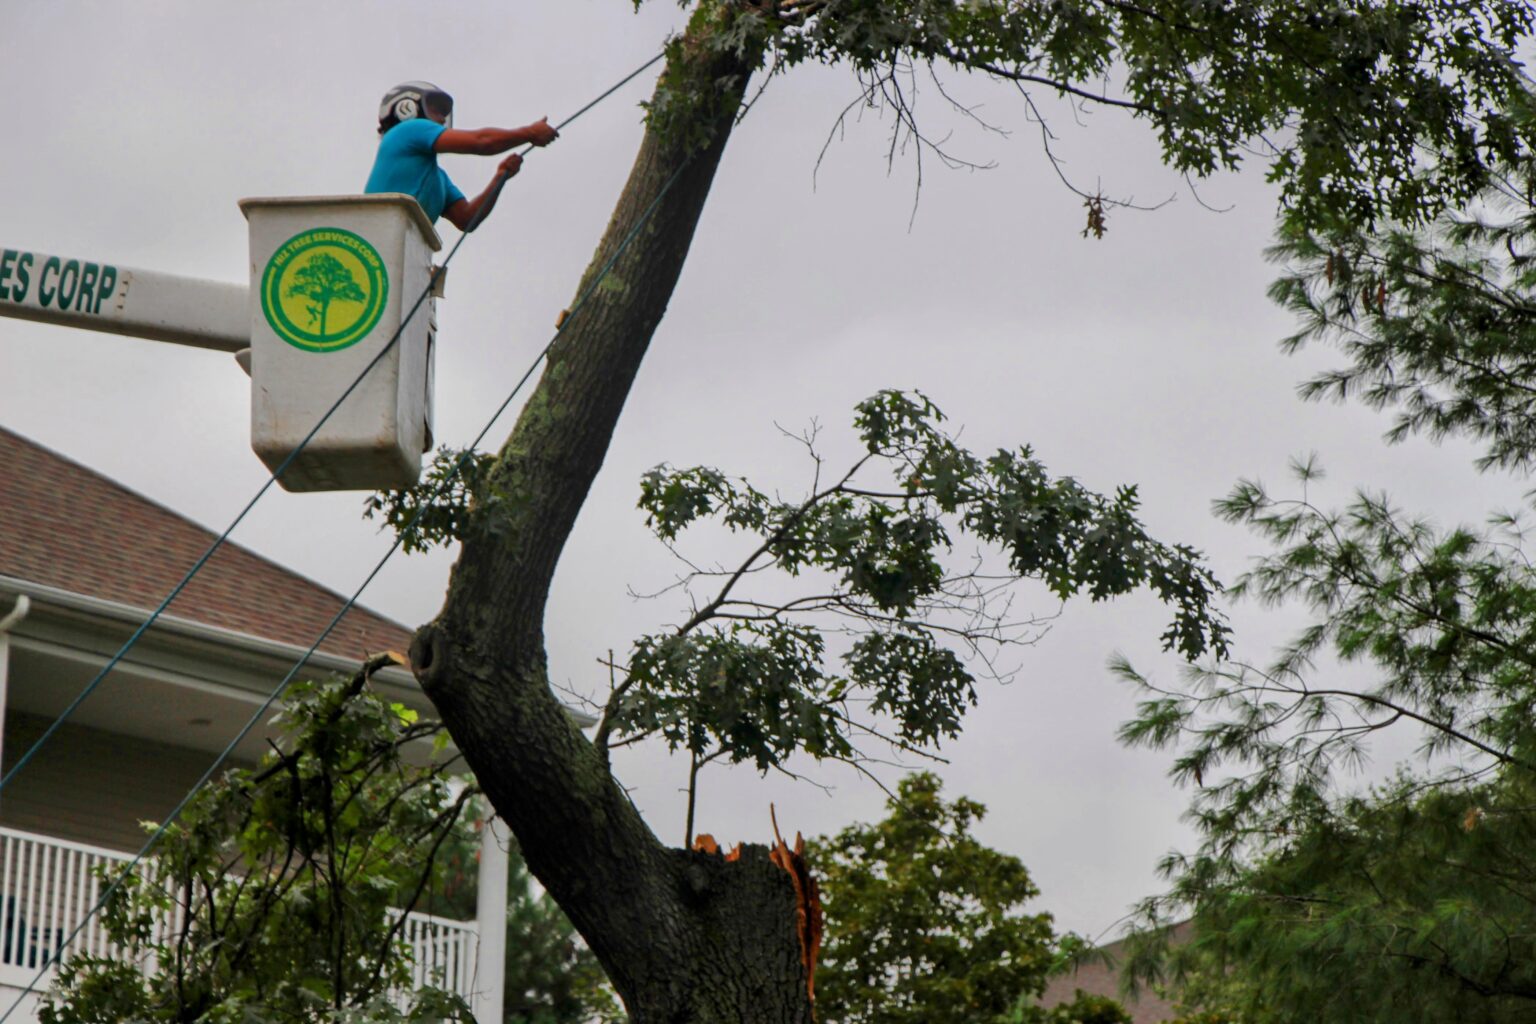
x=410, y=100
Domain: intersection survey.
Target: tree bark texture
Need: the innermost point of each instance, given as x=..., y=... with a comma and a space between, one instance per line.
x=684, y=936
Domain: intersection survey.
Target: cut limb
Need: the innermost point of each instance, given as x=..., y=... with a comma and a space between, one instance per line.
x=686, y=937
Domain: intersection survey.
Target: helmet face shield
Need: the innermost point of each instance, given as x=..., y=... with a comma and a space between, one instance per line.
x=438, y=106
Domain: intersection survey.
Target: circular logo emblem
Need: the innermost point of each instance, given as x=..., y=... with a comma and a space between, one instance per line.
x=324, y=289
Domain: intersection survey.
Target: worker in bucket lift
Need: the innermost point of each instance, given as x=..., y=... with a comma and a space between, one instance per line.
x=416, y=124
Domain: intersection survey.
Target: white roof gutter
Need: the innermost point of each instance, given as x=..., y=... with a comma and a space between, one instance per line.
x=174, y=625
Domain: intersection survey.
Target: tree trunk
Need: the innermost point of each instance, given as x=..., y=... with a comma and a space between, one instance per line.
x=684, y=936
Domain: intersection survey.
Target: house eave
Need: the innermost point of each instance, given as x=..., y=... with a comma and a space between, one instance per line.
x=173, y=638
x=213, y=643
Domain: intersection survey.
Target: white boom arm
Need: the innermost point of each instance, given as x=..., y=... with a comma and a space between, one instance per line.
x=121, y=300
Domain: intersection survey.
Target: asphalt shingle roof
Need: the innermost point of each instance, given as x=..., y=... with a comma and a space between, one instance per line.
x=68, y=527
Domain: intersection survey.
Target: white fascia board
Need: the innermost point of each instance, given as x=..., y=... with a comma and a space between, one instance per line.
x=171, y=628
x=397, y=681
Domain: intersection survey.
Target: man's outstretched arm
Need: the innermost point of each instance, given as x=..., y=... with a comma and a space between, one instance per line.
x=490, y=141
x=464, y=212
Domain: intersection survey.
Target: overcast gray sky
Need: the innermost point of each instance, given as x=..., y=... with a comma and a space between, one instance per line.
x=1146, y=357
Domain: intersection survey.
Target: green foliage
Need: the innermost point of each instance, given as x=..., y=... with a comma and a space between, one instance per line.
x=1448, y=619
x=303, y=864
x=747, y=678
x=1412, y=901
x=1084, y=1008
x=1405, y=906
x=1437, y=322
x=924, y=923
x=693, y=99
x=435, y=511
x=288, y=881
x=1210, y=1017
x=1364, y=111
x=755, y=689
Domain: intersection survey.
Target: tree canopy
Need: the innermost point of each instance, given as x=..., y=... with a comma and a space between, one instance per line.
x=1411, y=900
x=925, y=922
x=1362, y=112
x=1365, y=113
x=278, y=894
x=281, y=892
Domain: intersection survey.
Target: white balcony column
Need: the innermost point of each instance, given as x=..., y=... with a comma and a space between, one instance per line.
x=10, y=619
x=491, y=920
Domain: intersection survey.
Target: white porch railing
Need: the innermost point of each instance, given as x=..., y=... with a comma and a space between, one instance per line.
x=444, y=952
x=48, y=886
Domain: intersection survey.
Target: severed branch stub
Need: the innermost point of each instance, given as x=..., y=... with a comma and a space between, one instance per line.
x=809, y=920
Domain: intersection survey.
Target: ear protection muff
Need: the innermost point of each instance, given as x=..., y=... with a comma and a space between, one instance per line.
x=406, y=109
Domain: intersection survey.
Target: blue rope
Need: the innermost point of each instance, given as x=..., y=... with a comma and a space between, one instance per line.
x=282, y=686
x=197, y=566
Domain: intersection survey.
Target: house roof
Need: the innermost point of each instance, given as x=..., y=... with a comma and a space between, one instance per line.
x=1101, y=977
x=68, y=527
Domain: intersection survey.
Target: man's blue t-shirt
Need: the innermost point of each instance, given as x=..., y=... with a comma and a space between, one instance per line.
x=408, y=163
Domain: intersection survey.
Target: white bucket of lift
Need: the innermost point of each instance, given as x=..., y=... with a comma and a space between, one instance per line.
x=332, y=278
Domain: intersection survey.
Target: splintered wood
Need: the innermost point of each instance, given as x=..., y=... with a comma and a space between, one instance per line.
x=705, y=843
x=808, y=916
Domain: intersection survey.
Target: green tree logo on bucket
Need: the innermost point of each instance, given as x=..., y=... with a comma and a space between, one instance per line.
x=324, y=289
